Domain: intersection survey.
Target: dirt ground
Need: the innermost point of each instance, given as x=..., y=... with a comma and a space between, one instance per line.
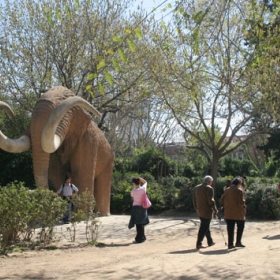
x=168, y=253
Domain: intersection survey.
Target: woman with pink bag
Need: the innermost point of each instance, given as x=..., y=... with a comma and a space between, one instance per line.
x=139, y=215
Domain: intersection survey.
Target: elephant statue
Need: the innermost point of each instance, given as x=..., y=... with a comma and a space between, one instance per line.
x=64, y=140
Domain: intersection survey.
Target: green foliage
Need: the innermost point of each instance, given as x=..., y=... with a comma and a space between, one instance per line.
x=161, y=194
x=172, y=193
x=22, y=210
x=28, y=217
x=189, y=171
x=263, y=202
x=121, y=200
x=158, y=197
x=164, y=189
x=16, y=167
x=235, y=167
x=152, y=161
x=46, y=210
x=84, y=212
x=271, y=168
x=184, y=200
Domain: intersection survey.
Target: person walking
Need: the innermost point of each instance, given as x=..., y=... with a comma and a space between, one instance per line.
x=68, y=191
x=233, y=201
x=205, y=206
x=139, y=215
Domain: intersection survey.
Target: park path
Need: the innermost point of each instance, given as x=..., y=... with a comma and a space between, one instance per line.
x=168, y=253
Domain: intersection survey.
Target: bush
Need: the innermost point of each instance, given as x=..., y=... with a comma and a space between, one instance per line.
x=185, y=200
x=16, y=167
x=263, y=202
x=161, y=194
x=22, y=210
x=151, y=161
x=233, y=167
x=84, y=211
x=121, y=201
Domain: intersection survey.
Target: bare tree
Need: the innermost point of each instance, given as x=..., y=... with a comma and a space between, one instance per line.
x=99, y=49
x=210, y=89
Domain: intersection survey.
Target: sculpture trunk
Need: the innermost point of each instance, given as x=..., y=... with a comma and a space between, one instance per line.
x=41, y=159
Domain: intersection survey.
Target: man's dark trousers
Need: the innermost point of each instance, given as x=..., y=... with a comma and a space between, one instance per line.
x=204, y=230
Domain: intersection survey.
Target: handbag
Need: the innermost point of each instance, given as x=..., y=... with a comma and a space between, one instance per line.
x=146, y=203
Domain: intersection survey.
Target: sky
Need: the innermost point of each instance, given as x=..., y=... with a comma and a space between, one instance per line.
x=149, y=5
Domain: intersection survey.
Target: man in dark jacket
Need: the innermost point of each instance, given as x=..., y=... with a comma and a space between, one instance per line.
x=205, y=206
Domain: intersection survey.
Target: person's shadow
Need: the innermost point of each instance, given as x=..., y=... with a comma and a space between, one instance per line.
x=184, y=251
x=272, y=237
x=212, y=252
x=217, y=252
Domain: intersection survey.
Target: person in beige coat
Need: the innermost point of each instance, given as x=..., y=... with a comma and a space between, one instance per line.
x=233, y=201
x=205, y=206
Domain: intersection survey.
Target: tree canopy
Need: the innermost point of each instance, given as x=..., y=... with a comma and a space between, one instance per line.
x=208, y=75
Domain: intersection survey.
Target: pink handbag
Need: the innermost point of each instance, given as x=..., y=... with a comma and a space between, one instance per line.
x=146, y=203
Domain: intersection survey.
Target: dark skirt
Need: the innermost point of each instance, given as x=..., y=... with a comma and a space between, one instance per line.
x=139, y=216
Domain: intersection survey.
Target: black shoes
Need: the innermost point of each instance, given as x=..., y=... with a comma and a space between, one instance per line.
x=140, y=240
x=212, y=244
x=239, y=245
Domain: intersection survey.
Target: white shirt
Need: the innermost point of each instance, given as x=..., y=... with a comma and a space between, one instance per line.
x=67, y=189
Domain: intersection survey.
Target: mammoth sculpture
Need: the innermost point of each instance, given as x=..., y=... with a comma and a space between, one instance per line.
x=64, y=139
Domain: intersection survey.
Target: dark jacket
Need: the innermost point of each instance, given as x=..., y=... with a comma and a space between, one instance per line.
x=139, y=216
x=203, y=201
x=233, y=201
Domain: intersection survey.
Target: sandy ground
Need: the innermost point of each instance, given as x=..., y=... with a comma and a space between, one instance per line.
x=168, y=253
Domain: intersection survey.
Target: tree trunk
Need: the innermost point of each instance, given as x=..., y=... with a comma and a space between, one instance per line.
x=214, y=170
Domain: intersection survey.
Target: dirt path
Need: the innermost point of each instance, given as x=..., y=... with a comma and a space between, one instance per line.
x=168, y=253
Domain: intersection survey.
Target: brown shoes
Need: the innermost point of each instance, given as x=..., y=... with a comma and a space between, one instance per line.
x=200, y=247
x=203, y=247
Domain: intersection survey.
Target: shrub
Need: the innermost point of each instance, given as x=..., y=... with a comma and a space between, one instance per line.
x=151, y=161
x=22, y=210
x=185, y=199
x=121, y=200
x=84, y=211
x=263, y=202
x=233, y=167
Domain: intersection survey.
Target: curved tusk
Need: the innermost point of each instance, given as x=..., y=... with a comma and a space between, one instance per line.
x=14, y=146
x=7, y=109
x=51, y=141
x=10, y=145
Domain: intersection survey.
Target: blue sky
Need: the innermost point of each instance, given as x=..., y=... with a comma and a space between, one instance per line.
x=149, y=5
